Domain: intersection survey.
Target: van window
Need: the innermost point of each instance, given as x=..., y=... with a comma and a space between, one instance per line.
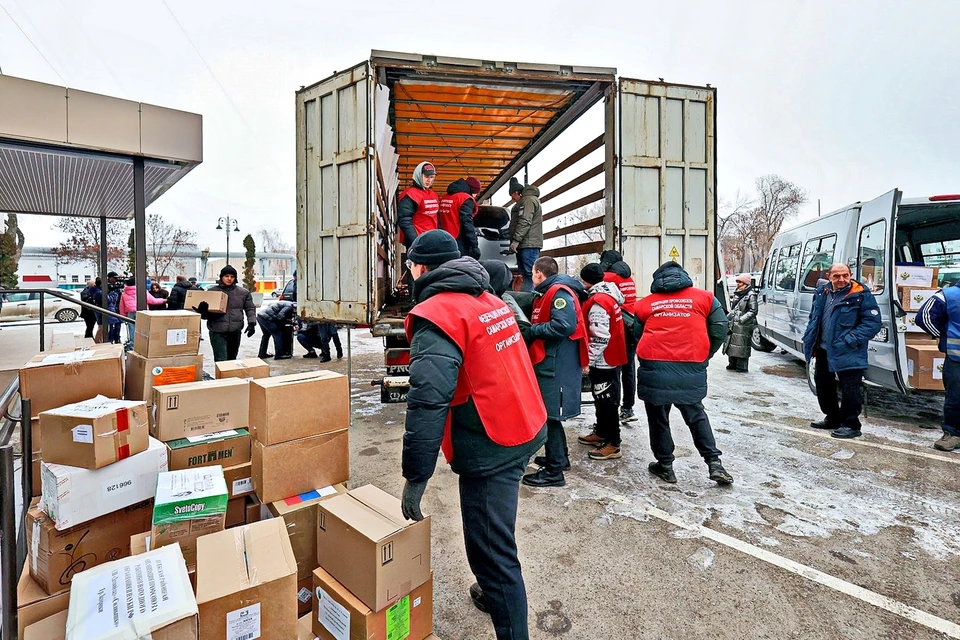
x=873, y=241
x=771, y=263
x=785, y=278
x=817, y=258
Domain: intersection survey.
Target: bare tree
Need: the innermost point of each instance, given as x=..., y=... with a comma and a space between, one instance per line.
x=166, y=243
x=83, y=241
x=271, y=240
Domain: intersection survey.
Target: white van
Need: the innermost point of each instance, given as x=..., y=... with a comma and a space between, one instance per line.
x=874, y=238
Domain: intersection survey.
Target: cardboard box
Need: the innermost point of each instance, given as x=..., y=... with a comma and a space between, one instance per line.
x=52, y=628
x=140, y=543
x=912, y=298
x=304, y=595
x=95, y=433
x=364, y=542
x=69, y=340
x=247, y=582
x=285, y=408
x=150, y=595
x=246, y=368
x=197, y=408
x=225, y=448
x=289, y=469
x=253, y=509
x=925, y=366
x=160, y=334
x=908, y=324
x=304, y=630
x=299, y=513
x=189, y=503
x=56, y=556
x=338, y=614
x=919, y=338
x=52, y=380
x=33, y=603
x=236, y=513
x=72, y=496
x=239, y=480
x=143, y=374
x=916, y=276
x=217, y=300
x=37, y=480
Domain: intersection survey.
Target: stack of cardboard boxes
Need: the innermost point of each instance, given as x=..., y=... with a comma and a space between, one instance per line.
x=915, y=285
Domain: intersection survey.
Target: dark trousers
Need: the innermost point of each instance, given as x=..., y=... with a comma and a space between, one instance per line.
x=113, y=331
x=91, y=322
x=845, y=410
x=951, y=401
x=309, y=340
x=556, y=451
x=738, y=364
x=628, y=378
x=489, y=509
x=606, y=401
x=328, y=331
x=225, y=345
x=661, y=441
x=270, y=329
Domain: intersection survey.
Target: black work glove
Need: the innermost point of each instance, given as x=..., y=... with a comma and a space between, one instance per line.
x=203, y=309
x=251, y=329
x=410, y=502
x=525, y=331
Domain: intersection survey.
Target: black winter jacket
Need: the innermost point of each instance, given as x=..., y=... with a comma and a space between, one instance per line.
x=467, y=240
x=178, y=295
x=282, y=312
x=435, y=363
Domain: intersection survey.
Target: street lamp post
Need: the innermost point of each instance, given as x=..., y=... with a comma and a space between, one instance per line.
x=225, y=223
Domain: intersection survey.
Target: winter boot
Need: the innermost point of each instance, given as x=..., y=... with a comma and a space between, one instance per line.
x=627, y=416
x=544, y=478
x=845, y=433
x=606, y=452
x=718, y=474
x=541, y=461
x=479, y=600
x=663, y=471
x=591, y=439
x=947, y=442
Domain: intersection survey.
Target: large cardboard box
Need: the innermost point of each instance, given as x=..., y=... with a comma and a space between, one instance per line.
x=284, y=408
x=55, y=556
x=364, y=542
x=72, y=496
x=143, y=374
x=94, y=433
x=140, y=543
x=340, y=614
x=225, y=448
x=247, y=583
x=912, y=298
x=55, y=379
x=197, y=408
x=33, y=603
x=925, y=366
x=146, y=595
x=190, y=503
x=69, y=340
x=916, y=276
x=160, y=334
x=908, y=323
x=52, y=628
x=216, y=300
x=239, y=479
x=291, y=468
x=246, y=368
x=299, y=513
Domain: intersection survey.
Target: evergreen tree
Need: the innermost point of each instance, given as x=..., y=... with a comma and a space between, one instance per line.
x=249, y=277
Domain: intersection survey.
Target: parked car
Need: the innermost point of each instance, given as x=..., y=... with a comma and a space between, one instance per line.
x=26, y=306
x=288, y=289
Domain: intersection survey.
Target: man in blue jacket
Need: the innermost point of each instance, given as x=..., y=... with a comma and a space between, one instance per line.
x=844, y=318
x=940, y=317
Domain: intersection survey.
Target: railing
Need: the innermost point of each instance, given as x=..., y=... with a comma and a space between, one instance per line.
x=13, y=544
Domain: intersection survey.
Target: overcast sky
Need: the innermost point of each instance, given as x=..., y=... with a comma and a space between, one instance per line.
x=847, y=99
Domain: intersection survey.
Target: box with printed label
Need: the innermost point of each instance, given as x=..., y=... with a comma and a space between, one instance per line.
x=916, y=276
x=291, y=468
x=140, y=543
x=226, y=448
x=908, y=323
x=246, y=368
x=72, y=496
x=52, y=628
x=56, y=556
x=239, y=480
x=143, y=374
x=216, y=300
x=364, y=542
x=190, y=503
x=33, y=603
x=55, y=379
x=284, y=408
x=143, y=596
x=338, y=614
x=300, y=515
x=925, y=366
x=247, y=582
x=198, y=408
x=912, y=298
x=94, y=433
x=160, y=334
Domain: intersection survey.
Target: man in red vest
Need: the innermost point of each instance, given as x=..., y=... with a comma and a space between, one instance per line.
x=682, y=328
x=457, y=209
x=607, y=350
x=418, y=205
x=618, y=272
x=558, y=350
x=464, y=345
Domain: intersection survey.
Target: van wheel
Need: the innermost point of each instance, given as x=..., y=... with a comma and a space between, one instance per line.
x=811, y=375
x=760, y=343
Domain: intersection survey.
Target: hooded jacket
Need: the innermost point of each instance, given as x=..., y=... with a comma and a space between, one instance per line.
x=407, y=207
x=240, y=310
x=845, y=331
x=598, y=325
x=282, y=312
x=742, y=320
x=618, y=272
x=128, y=300
x=526, y=220
x=435, y=363
x=459, y=223
x=178, y=295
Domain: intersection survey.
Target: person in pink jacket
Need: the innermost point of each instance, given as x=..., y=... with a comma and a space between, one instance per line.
x=128, y=307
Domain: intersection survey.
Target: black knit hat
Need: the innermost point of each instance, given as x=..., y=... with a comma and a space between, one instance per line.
x=433, y=248
x=609, y=257
x=592, y=273
x=500, y=276
x=228, y=271
x=515, y=186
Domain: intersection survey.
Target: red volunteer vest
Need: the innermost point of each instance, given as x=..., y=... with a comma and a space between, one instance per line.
x=675, y=325
x=616, y=352
x=425, y=217
x=541, y=313
x=449, y=218
x=627, y=287
x=496, y=370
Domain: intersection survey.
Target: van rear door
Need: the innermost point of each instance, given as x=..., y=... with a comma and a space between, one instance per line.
x=876, y=233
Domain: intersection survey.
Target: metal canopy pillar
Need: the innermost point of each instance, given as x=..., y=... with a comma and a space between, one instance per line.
x=140, y=233
x=104, y=266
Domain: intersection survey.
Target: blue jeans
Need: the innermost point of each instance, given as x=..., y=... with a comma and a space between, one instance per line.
x=951, y=401
x=131, y=328
x=525, y=260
